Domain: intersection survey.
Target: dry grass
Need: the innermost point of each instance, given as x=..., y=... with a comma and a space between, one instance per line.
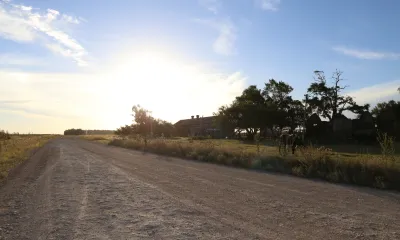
x=99, y=138
x=15, y=150
x=381, y=171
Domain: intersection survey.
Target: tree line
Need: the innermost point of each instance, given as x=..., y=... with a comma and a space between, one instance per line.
x=80, y=131
x=258, y=109
x=74, y=131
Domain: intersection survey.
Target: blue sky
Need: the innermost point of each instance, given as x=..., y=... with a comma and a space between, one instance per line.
x=85, y=63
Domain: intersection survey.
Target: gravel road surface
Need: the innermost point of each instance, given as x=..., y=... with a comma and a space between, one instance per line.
x=74, y=189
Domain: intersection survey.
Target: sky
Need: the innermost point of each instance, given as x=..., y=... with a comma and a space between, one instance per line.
x=84, y=64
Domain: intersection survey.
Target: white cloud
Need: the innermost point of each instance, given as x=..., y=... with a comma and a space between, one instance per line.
x=70, y=19
x=269, y=5
x=366, y=54
x=24, y=24
x=66, y=52
x=376, y=93
x=15, y=28
x=211, y=5
x=51, y=14
x=227, y=35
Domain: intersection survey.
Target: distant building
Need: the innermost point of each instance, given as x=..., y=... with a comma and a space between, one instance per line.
x=314, y=127
x=342, y=127
x=364, y=128
x=198, y=126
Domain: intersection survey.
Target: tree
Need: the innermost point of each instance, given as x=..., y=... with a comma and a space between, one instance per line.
x=387, y=115
x=163, y=128
x=246, y=112
x=329, y=101
x=250, y=112
x=288, y=111
x=144, y=124
x=125, y=131
x=223, y=118
x=278, y=93
x=296, y=113
x=390, y=106
x=142, y=120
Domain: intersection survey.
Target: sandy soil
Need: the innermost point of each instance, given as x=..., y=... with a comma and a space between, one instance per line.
x=74, y=189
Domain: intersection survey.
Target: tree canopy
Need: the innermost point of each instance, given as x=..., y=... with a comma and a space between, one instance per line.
x=329, y=101
x=255, y=109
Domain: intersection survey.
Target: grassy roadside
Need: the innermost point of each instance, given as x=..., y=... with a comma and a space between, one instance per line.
x=105, y=139
x=372, y=170
x=15, y=150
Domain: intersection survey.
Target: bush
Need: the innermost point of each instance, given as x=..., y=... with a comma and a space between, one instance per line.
x=4, y=135
x=74, y=131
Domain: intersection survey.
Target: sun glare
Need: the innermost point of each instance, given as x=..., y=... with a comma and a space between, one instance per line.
x=153, y=80
x=145, y=66
x=169, y=86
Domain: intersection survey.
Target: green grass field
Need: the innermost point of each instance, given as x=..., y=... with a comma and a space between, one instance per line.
x=15, y=150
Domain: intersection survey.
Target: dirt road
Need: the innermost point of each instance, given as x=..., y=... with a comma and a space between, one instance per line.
x=73, y=189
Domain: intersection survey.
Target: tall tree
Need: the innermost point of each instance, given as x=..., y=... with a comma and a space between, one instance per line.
x=144, y=124
x=143, y=121
x=246, y=112
x=289, y=111
x=278, y=93
x=224, y=120
x=390, y=106
x=250, y=111
x=296, y=113
x=329, y=101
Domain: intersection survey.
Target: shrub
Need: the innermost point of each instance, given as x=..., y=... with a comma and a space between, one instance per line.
x=4, y=135
x=74, y=132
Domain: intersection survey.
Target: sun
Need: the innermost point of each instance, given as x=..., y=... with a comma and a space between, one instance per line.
x=156, y=80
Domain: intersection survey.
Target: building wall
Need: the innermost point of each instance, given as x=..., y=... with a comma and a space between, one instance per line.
x=198, y=126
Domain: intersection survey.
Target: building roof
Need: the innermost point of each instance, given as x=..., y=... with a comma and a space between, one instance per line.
x=195, y=121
